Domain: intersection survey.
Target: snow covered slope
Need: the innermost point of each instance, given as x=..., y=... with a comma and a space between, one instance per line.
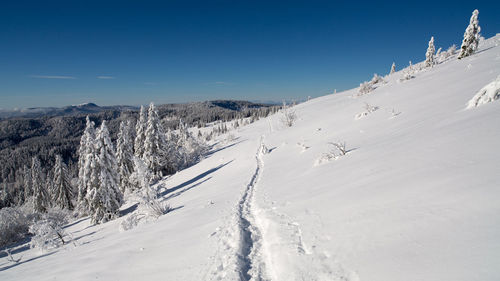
x=415, y=198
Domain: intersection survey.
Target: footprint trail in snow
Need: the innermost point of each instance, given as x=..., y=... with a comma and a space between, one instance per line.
x=261, y=244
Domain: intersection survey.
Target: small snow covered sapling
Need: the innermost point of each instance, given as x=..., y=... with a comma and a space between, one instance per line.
x=393, y=68
x=408, y=73
x=429, y=55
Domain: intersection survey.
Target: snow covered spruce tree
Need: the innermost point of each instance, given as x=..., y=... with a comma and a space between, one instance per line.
x=393, y=68
x=62, y=187
x=86, y=153
x=429, y=55
x=471, y=37
x=125, y=154
x=140, y=129
x=155, y=144
x=40, y=196
x=104, y=196
x=28, y=190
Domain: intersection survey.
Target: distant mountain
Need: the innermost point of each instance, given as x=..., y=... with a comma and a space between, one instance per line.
x=71, y=110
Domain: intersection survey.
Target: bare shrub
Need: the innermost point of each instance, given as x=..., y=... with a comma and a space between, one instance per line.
x=337, y=150
x=339, y=147
x=48, y=231
x=289, y=116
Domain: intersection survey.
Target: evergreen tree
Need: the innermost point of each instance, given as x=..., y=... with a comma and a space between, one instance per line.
x=86, y=154
x=429, y=55
x=140, y=129
x=124, y=155
x=155, y=144
x=393, y=68
x=28, y=190
x=62, y=187
x=104, y=196
x=471, y=37
x=40, y=196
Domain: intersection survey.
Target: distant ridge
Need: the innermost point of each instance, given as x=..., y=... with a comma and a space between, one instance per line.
x=85, y=108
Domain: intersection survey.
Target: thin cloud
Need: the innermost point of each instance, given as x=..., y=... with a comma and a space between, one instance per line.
x=106, y=77
x=52, y=77
x=220, y=83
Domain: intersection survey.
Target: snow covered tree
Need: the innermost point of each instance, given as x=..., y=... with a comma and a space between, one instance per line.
x=140, y=129
x=86, y=154
x=141, y=176
x=28, y=190
x=471, y=37
x=40, y=196
x=62, y=187
x=104, y=196
x=189, y=149
x=124, y=155
x=155, y=144
x=393, y=68
x=429, y=55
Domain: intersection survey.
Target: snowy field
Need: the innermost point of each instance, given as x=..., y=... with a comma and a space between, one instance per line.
x=416, y=197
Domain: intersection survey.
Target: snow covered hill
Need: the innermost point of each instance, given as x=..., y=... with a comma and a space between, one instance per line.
x=416, y=197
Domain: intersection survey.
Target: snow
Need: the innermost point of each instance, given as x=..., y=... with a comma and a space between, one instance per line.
x=415, y=197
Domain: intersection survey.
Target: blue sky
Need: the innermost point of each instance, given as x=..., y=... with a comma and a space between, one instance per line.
x=55, y=53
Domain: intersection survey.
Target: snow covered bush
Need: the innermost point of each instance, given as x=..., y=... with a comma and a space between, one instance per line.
x=13, y=225
x=443, y=56
x=48, y=231
x=376, y=79
x=188, y=149
x=365, y=88
x=288, y=118
x=488, y=93
x=368, y=109
x=150, y=207
x=471, y=37
x=407, y=73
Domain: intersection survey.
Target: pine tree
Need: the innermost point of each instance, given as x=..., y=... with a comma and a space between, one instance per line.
x=124, y=155
x=471, y=37
x=393, y=68
x=28, y=190
x=62, y=187
x=155, y=144
x=429, y=55
x=40, y=196
x=140, y=129
x=86, y=154
x=104, y=196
